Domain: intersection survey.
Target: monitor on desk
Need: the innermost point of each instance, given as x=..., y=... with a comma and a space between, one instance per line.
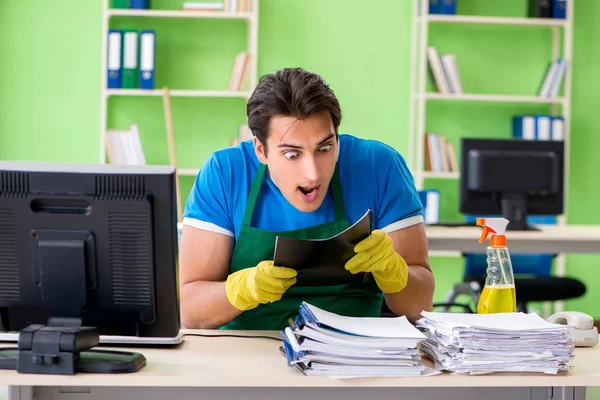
x=511, y=177
x=92, y=245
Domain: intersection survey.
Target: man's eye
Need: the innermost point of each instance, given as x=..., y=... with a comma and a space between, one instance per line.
x=325, y=148
x=291, y=155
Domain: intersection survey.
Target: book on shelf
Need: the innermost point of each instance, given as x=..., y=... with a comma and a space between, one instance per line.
x=547, y=9
x=228, y=6
x=553, y=78
x=538, y=127
x=131, y=4
x=540, y=9
x=442, y=7
x=558, y=9
x=241, y=6
x=440, y=154
x=203, y=6
x=131, y=59
x=124, y=147
x=430, y=200
x=239, y=72
x=444, y=71
x=139, y=4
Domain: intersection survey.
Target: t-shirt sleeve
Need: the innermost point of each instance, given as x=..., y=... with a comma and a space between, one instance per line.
x=207, y=205
x=397, y=201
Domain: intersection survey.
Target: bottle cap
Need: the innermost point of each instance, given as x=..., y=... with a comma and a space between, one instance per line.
x=495, y=226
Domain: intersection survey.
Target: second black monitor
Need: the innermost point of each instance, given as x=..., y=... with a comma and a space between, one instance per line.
x=512, y=177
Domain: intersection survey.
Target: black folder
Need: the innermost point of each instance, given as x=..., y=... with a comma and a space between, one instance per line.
x=320, y=262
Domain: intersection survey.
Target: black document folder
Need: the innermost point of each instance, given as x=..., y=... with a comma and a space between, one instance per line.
x=320, y=262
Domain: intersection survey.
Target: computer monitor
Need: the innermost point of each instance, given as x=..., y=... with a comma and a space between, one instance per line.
x=89, y=245
x=511, y=177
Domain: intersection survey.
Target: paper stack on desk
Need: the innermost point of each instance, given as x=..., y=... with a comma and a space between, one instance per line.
x=486, y=343
x=328, y=344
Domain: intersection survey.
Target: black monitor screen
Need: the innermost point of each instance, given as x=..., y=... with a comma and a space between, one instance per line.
x=511, y=177
x=94, y=245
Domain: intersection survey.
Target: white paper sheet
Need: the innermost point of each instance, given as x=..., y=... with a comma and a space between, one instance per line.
x=398, y=327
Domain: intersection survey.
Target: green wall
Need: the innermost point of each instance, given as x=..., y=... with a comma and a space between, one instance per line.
x=50, y=82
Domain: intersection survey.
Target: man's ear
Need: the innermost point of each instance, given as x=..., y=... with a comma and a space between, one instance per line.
x=260, y=150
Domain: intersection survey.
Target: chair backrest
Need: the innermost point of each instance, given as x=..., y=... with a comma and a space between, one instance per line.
x=523, y=264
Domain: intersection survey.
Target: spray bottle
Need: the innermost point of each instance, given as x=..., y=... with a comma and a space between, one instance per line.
x=498, y=294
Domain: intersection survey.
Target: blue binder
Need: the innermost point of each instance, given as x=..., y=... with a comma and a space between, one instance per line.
x=147, y=59
x=447, y=6
x=113, y=58
x=559, y=9
x=430, y=200
x=140, y=4
x=434, y=6
x=524, y=127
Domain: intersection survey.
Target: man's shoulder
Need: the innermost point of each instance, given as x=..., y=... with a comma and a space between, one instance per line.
x=356, y=150
x=233, y=160
x=234, y=153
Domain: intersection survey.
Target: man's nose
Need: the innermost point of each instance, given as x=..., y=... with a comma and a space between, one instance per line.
x=311, y=172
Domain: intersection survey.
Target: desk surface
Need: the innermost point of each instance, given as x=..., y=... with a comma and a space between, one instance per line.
x=242, y=362
x=551, y=239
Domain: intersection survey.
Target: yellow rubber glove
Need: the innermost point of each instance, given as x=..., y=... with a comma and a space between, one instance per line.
x=376, y=254
x=265, y=283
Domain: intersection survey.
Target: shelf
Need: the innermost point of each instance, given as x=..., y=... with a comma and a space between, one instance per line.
x=178, y=14
x=177, y=93
x=187, y=171
x=498, y=98
x=444, y=253
x=467, y=19
x=441, y=175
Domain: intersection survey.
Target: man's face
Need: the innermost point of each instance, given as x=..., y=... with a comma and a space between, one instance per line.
x=301, y=157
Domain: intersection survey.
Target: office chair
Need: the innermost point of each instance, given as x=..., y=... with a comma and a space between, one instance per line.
x=533, y=276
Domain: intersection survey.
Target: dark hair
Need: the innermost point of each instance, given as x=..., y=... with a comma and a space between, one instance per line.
x=290, y=92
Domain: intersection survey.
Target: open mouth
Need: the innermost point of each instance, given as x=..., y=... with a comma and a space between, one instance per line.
x=308, y=193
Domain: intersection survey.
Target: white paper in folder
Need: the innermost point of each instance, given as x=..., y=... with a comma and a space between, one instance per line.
x=512, y=322
x=398, y=327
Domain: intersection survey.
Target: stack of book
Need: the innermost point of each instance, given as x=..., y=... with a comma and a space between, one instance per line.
x=131, y=59
x=228, y=6
x=487, y=343
x=327, y=344
x=553, y=78
x=442, y=7
x=547, y=9
x=444, y=70
x=239, y=71
x=538, y=127
x=124, y=147
x=440, y=155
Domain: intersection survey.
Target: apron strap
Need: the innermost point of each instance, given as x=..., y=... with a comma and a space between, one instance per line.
x=253, y=195
x=338, y=196
x=336, y=188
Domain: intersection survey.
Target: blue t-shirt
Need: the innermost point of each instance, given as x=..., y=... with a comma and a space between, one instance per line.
x=374, y=176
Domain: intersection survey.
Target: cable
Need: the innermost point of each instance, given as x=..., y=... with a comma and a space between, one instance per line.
x=235, y=336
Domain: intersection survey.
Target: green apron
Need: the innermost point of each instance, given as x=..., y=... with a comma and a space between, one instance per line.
x=254, y=245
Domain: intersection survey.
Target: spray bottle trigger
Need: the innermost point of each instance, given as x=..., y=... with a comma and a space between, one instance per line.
x=484, y=234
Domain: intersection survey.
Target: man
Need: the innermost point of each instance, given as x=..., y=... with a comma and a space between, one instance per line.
x=298, y=178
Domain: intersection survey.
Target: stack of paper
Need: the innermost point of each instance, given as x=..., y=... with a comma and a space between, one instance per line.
x=486, y=343
x=327, y=344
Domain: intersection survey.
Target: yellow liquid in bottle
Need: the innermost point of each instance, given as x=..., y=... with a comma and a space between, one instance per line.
x=497, y=299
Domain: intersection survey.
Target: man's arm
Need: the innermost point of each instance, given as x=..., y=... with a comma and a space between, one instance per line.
x=411, y=244
x=204, y=259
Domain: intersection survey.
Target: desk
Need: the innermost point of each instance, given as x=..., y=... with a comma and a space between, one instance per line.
x=254, y=369
x=552, y=239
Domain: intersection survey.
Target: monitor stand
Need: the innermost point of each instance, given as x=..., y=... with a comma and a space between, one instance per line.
x=63, y=346
x=65, y=350
x=514, y=209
